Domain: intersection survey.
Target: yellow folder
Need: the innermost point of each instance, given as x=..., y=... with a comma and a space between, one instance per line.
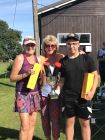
x=33, y=77
x=87, y=83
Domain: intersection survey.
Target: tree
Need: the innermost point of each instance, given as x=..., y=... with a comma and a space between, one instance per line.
x=10, y=40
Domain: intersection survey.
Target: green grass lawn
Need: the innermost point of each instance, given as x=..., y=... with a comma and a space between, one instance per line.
x=9, y=121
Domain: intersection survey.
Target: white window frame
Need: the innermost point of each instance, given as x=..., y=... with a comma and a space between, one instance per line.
x=65, y=34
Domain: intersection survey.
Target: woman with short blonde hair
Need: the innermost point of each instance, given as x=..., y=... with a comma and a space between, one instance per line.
x=50, y=107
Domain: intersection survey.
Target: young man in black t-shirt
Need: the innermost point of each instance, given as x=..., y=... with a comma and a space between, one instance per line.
x=73, y=68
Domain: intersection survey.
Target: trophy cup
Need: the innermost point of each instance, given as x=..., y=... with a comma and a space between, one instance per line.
x=53, y=78
x=52, y=81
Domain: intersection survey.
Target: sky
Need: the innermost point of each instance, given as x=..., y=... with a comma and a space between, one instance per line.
x=18, y=14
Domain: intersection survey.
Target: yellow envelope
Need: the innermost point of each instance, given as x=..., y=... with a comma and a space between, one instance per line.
x=33, y=77
x=87, y=83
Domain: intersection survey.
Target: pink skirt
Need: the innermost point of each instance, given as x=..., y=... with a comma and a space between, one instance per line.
x=27, y=103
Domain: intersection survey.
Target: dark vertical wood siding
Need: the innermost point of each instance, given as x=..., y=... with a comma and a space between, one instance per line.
x=88, y=16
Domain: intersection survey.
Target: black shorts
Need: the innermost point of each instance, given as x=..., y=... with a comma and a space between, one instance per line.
x=81, y=109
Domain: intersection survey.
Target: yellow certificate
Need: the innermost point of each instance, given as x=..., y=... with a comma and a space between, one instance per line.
x=33, y=77
x=87, y=83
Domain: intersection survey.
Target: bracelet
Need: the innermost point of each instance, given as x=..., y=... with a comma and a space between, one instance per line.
x=22, y=76
x=43, y=75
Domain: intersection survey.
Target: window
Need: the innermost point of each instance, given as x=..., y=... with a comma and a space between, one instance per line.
x=85, y=38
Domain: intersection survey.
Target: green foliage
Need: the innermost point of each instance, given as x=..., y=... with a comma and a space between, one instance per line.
x=9, y=42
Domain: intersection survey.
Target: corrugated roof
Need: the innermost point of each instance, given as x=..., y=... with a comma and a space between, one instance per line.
x=55, y=6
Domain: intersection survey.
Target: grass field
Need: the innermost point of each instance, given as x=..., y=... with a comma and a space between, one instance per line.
x=9, y=121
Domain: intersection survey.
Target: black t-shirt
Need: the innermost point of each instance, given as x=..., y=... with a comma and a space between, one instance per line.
x=73, y=71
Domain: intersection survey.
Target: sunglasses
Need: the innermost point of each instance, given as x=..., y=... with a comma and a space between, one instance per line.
x=30, y=45
x=50, y=46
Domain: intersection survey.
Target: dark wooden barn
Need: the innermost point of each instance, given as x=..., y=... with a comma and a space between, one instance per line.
x=85, y=17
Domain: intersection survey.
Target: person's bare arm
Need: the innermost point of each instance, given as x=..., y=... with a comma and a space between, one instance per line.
x=81, y=52
x=60, y=84
x=15, y=76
